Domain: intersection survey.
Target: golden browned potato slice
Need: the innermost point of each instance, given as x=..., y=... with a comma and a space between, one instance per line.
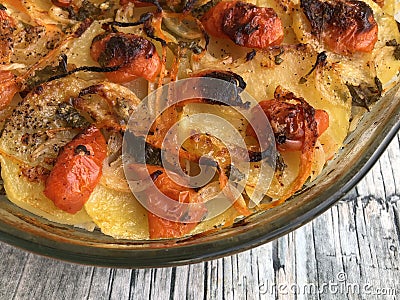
x=33, y=132
x=118, y=214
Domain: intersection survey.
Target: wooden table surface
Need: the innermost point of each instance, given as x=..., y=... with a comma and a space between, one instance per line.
x=349, y=252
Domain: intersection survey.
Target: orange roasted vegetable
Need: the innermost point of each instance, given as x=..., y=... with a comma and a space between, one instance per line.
x=134, y=55
x=245, y=24
x=180, y=220
x=296, y=126
x=288, y=123
x=77, y=170
x=344, y=26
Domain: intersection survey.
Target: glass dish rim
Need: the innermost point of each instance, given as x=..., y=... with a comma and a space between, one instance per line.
x=166, y=254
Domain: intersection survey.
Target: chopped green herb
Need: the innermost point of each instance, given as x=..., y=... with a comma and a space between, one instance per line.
x=43, y=75
x=69, y=114
x=364, y=95
x=278, y=59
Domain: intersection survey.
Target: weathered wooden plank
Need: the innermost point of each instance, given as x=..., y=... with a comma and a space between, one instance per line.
x=368, y=255
x=349, y=250
x=196, y=287
x=284, y=261
x=266, y=272
x=381, y=237
x=306, y=263
x=378, y=235
x=228, y=287
x=120, y=286
x=12, y=263
x=181, y=276
x=71, y=283
x=160, y=283
x=214, y=279
x=327, y=252
x=245, y=277
x=388, y=179
x=100, y=280
x=393, y=152
x=140, y=285
x=43, y=278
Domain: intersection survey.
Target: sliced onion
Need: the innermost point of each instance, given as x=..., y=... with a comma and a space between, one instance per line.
x=113, y=170
x=114, y=143
x=210, y=191
x=186, y=28
x=114, y=176
x=60, y=15
x=48, y=146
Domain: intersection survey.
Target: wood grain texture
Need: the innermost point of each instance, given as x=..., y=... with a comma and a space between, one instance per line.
x=349, y=252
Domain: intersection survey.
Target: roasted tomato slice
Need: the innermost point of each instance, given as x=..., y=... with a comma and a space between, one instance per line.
x=77, y=170
x=288, y=122
x=163, y=228
x=135, y=56
x=179, y=220
x=245, y=24
x=297, y=126
x=344, y=26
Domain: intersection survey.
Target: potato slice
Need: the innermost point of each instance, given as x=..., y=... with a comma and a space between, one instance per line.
x=79, y=52
x=32, y=138
x=118, y=214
